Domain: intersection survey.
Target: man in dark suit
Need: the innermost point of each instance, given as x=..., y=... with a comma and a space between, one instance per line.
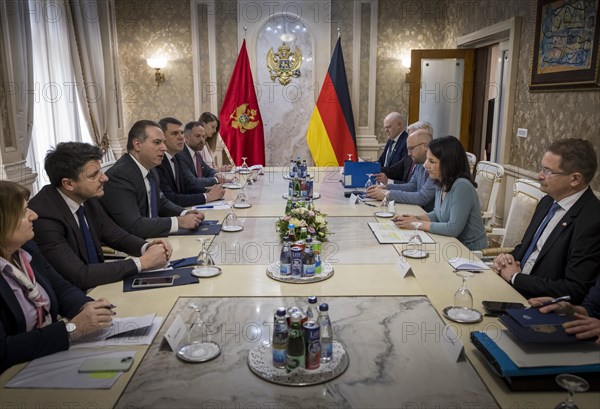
x=76, y=183
x=133, y=197
x=177, y=182
x=395, y=148
x=191, y=159
x=560, y=251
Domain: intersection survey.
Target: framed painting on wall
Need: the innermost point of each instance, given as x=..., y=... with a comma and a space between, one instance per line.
x=565, y=49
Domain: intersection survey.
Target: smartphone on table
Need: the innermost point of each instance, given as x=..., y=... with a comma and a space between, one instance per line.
x=118, y=364
x=500, y=307
x=149, y=282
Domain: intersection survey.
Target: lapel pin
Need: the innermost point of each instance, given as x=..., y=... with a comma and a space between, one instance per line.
x=564, y=224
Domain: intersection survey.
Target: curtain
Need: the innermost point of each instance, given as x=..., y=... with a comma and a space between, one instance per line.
x=18, y=66
x=58, y=113
x=93, y=66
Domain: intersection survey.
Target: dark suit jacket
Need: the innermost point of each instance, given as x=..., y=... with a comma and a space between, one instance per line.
x=16, y=344
x=63, y=244
x=569, y=261
x=191, y=191
x=399, y=171
x=187, y=162
x=126, y=201
x=399, y=152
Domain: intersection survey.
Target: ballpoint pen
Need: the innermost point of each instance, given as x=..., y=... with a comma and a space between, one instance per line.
x=370, y=204
x=554, y=301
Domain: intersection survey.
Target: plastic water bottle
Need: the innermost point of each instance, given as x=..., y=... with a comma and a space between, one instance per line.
x=296, y=350
x=326, y=333
x=308, y=260
x=285, y=259
x=280, y=339
x=293, y=170
x=312, y=311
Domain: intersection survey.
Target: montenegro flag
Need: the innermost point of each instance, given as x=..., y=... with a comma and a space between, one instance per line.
x=331, y=136
x=241, y=124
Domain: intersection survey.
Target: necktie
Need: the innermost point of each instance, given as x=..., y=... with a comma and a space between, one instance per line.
x=198, y=165
x=153, y=196
x=411, y=171
x=176, y=174
x=87, y=236
x=538, y=233
x=388, y=155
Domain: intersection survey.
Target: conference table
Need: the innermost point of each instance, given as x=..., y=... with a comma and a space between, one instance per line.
x=391, y=324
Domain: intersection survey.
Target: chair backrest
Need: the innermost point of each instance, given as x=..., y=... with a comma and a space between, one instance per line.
x=488, y=176
x=472, y=160
x=526, y=195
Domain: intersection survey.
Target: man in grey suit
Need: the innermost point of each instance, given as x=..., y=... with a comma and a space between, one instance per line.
x=420, y=189
x=133, y=197
x=191, y=159
x=72, y=225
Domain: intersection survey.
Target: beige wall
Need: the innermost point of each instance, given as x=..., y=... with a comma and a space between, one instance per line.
x=145, y=27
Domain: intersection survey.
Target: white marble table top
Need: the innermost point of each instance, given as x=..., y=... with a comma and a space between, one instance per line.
x=395, y=346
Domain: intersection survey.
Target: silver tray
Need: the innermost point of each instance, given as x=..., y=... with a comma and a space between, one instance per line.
x=210, y=350
x=260, y=361
x=471, y=316
x=316, y=195
x=273, y=272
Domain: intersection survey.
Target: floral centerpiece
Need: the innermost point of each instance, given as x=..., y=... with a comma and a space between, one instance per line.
x=313, y=220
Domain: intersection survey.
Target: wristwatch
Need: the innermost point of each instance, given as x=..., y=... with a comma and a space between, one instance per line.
x=71, y=327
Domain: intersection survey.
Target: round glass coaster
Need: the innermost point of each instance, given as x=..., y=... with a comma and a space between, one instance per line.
x=231, y=229
x=231, y=186
x=206, y=271
x=415, y=253
x=462, y=315
x=198, y=352
x=244, y=205
x=386, y=215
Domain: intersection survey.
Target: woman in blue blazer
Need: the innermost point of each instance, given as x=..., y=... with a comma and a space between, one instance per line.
x=456, y=211
x=33, y=294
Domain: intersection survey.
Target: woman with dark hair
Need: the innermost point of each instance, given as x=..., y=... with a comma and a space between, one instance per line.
x=211, y=125
x=33, y=294
x=456, y=211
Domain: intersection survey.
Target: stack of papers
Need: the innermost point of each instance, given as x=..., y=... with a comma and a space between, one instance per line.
x=125, y=332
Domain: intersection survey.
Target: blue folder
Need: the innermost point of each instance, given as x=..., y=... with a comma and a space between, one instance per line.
x=355, y=173
x=207, y=227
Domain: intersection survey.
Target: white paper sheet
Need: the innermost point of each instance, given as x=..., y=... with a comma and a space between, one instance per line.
x=140, y=336
x=531, y=355
x=388, y=232
x=60, y=371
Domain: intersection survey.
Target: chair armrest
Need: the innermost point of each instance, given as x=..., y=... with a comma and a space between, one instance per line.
x=494, y=251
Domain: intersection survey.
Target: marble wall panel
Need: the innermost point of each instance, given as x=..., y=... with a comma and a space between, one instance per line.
x=148, y=28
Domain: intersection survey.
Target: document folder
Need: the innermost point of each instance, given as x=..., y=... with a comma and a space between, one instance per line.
x=529, y=379
x=355, y=173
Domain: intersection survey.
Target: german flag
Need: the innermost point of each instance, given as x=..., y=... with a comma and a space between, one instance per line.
x=331, y=135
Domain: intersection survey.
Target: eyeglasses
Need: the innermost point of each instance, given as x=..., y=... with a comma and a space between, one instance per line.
x=547, y=172
x=411, y=148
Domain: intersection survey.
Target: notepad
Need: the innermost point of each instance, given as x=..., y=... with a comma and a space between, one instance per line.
x=465, y=264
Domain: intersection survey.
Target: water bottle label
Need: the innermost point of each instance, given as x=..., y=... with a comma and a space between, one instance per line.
x=309, y=270
x=279, y=357
x=326, y=349
x=285, y=269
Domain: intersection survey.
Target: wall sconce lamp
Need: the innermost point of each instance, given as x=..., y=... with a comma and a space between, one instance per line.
x=157, y=64
x=406, y=64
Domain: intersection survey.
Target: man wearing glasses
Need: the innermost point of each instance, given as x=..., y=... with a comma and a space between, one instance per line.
x=560, y=251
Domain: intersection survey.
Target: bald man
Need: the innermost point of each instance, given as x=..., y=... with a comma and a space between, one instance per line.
x=395, y=148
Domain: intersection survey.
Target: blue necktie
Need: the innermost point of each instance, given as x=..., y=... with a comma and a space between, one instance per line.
x=87, y=235
x=539, y=232
x=153, y=196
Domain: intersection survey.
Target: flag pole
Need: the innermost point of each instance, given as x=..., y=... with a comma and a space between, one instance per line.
x=339, y=32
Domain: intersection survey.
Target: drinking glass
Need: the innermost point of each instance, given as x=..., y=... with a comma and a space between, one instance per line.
x=242, y=198
x=231, y=220
x=463, y=297
x=204, y=257
x=572, y=384
x=195, y=333
x=244, y=168
x=369, y=181
x=415, y=243
x=349, y=157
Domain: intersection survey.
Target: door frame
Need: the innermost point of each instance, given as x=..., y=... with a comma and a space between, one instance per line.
x=510, y=31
